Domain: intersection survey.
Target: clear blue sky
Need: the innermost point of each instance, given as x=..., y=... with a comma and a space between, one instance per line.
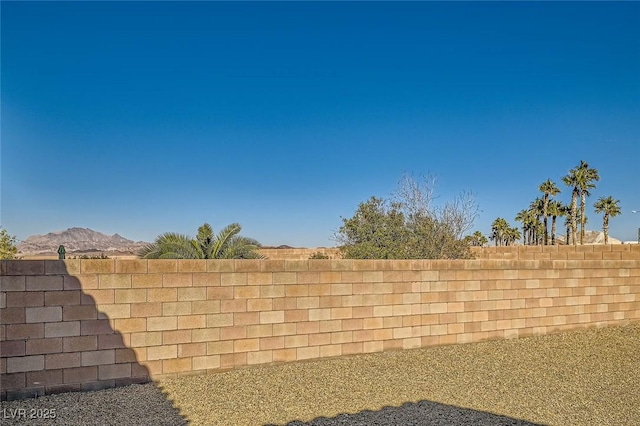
x=141, y=118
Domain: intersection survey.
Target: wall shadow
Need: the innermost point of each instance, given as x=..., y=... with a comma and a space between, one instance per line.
x=89, y=369
x=427, y=413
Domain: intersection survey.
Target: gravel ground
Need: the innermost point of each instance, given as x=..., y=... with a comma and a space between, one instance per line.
x=589, y=377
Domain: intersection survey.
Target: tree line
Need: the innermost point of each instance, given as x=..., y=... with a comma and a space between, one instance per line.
x=580, y=180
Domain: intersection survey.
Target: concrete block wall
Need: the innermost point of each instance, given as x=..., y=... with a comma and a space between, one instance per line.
x=90, y=324
x=571, y=252
x=298, y=253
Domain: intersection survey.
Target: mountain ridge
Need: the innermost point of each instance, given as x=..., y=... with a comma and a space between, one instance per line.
x=77, y=239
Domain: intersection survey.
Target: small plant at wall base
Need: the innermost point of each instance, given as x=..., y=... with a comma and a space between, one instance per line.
x=226, y=245
x=8, y=248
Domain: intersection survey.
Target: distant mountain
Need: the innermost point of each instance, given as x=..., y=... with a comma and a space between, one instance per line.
x=78, y=240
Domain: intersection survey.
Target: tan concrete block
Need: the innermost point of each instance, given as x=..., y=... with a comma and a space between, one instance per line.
x=342, y=313
x=271, y=317
x=177, y=280
x=44, y=283
x=21, y=299
x=192, y=349
x=205, y=307
x=130, y=296
x=130, y=325
x=192, y=265
x=234, y=305
x=234, y=332
x=146, y=280
x=13, y=316
x=131, y=266
x=271, y=291
x=80, y=374
x=113, y=311
x=80, y=343
x=162, y=352
x=285, y=355
x=107, y=356
x=162, y=323
x=178, y=365
x=341, y=289
x=162, y=295
x=162, y=265
x=114, y=371
x=62, y=329
x=371, y=323
x=220, y=265
x=330, y=326
x=205, y=334
x=217, y=348
x=13, y=283
x=259, y=330
x=192, y=321
x=93, y=297
x=319, y=289
x=114, y=281
x=259, y=278
x=220, y=320
x=284, y=329
x=233, y=360
x=176, y=336
x=307, y=327
x=23, y=267
x=262, y=357
x=176, y=308
x=246, y=318
x=191, y=294
x=246, y=345
x=13, y=348
x=307, y=353
x=44, y=378
x=144, y=338
x=296, y=341
x=330, y=350
x=259, y=304
x=37, y=346
x=233, y=279
x=352, y=324
x=146, y=309
x=206, y=362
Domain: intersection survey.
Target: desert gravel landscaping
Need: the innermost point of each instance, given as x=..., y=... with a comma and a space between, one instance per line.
x=588, y=377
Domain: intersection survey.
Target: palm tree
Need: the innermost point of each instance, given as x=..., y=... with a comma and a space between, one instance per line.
x=524, y=216
x=556, y=208
x=226, y=245
x=499, y=229
x=586, y=177
x=571, y=180
x=610, y=208
x=548, y=188
x=477, y=239
x=511, y=235
x=537, y=211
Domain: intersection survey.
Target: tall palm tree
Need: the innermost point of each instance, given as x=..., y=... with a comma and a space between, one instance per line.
x=524, y=217
x=537, y=210
x=610, y=208
x=499, y=229
x=548, y=188
x=572, y=181
x=556, y=208
x=511, y=235
x=226, y=245
x=586, y=178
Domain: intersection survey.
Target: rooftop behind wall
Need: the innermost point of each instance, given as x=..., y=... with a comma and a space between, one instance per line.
x=91, y=324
